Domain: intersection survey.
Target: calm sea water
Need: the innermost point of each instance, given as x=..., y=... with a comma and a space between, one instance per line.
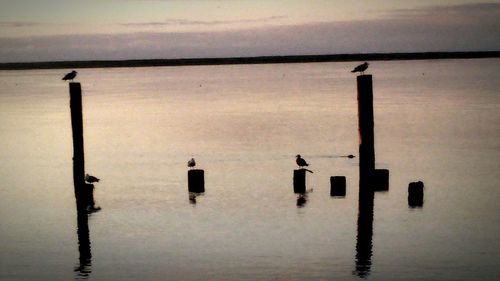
x=435, y=121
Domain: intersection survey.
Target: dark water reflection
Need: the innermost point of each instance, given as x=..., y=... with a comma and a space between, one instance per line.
x=84, y=267
x=364, y=236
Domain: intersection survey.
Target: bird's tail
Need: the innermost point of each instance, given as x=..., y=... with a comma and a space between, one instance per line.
x=352, y=71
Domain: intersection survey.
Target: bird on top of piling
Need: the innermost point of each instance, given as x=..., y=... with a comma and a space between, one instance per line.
x=70, y=76
x=300, y=161
x=360, y=68
x=191, y=163
x=91, y=179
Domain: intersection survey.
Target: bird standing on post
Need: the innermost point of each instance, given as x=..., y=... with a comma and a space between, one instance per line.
x=70, y=76
x=91, y=179
x=301, y=162
x=360, y=68
x=191, y=163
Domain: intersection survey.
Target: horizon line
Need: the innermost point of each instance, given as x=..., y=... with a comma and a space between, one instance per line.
x=247, y=60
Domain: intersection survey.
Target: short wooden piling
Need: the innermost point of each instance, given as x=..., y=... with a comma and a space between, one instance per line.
x=416, y=194
x=338, y=186
x=366, y=127
x=381, y=180
x=299, y=181
x=196, y=181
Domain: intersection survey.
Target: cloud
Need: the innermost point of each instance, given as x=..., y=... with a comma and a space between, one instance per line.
x=457, y=28
x=16, y=24
x=184, y=22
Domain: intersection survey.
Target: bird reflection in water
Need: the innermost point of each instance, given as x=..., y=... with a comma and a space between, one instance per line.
x=302, y=198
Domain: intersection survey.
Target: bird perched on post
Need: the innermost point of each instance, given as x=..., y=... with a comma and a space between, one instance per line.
x=301, y=162
x=70, y=76
x=91, y=179
x=360, y=68
x=191, y=163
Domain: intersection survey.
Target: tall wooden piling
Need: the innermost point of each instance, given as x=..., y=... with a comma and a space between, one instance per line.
x=75, y=92
x=299, y=181
x=366, y=127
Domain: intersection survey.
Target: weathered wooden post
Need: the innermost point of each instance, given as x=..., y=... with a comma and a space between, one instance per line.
x=81, y=194
x=299, y=181
x=337, y=186
x=196, y=181
x=366, y=130
x=416, y=194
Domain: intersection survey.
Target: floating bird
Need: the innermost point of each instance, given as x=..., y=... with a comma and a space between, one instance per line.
x=91, y=179
x=360, y=68
x=69, y=76
x=350, y=156
x=191, y=163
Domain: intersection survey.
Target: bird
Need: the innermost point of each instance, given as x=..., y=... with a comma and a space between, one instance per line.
x=91, y=179
x=360, y=68
x=191, y=163
x=300, y=161
x=70, y=76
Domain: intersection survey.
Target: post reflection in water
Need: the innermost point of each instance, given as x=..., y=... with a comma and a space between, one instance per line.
x=301, y=200
x=365, y=232
x=84, y=269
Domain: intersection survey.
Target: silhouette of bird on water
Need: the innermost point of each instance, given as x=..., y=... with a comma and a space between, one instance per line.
x=70, y=76
x=302, y=163
x=191, y=163
x=360, y=68
x=350, y=156
x=91, y=179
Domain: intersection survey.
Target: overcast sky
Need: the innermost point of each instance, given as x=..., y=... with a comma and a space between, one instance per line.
x=45, y=30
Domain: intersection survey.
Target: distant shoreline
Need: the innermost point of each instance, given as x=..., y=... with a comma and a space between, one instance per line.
x=247, y=60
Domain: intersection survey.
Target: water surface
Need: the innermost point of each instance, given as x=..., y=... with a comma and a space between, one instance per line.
x=435, y=121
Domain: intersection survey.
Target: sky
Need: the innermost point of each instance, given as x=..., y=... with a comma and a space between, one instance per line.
x=55, y=30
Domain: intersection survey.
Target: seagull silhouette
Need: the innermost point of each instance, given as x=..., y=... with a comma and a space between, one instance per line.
x=91, y=179
x=191, y=163
x=70, y=76
x=360, y=68
x=301, y=162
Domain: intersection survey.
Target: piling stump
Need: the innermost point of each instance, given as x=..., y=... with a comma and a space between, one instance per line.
x=381, y=180
x=338, y=186
x=196, y=181
x=299, y=181
x=416, y=194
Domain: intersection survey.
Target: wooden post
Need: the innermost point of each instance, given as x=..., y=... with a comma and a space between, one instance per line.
x=75, y=92
x=365, y=126
x=196, y=181
x=337, y=186
x=416, y=194
x=364, y=238
x=299, y=181
x=381, y=180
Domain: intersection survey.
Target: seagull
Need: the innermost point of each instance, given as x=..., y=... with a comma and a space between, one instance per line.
x=191, y=163
x=91, y=179
x=300, y=161
x=69, y=76
x=360, y=68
